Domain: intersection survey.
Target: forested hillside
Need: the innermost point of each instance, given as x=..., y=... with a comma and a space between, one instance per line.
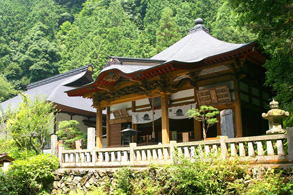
x=41, y=38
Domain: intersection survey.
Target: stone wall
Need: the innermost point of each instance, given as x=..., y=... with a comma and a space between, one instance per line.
x=66, y=180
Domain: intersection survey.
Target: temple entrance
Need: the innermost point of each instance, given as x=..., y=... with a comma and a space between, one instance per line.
x=181, y=130
x=145, y=133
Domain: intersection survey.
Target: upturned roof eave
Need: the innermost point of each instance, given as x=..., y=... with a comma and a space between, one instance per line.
x=58, y=77
x=132, y=59
x=52, y=89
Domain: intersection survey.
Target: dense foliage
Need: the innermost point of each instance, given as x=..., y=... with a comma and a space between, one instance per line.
x=9, y=146
x=7, y=91
x=28, y=51
x=40, y=38
x=31, y=176
x=271, y=21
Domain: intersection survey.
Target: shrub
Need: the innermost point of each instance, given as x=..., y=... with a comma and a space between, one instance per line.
x=9, y=146
x=203, y=174
x=69, y=132
x=122, y=182
x=149, y=182
x=264, y=182
x=7, y=184
x=31, y=176
x=94, y=190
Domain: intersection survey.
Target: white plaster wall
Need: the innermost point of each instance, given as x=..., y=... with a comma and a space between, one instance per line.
x=80, y=119
x=120, y=106
x=182, y=94
x=143, y=102
x=61, y=117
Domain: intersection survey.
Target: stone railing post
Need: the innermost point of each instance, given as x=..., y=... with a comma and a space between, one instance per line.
x=91, y=135
x=6, y=165
x=224, y=150
x=290, y=142
x=132, y=153
x=61, y=149
x=172, y=149
x=54, y=145
x=77, y=145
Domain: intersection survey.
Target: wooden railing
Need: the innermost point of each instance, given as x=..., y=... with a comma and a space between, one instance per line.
x=258, y=149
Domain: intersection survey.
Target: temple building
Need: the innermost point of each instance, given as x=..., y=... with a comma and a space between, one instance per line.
x=153, y=95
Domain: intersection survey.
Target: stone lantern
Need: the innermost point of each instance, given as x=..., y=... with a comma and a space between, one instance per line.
x=275, y=117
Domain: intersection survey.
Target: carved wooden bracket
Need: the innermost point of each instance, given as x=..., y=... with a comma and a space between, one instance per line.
x=112, y=77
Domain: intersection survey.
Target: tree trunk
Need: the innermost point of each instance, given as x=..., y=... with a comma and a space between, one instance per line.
x=37, y=151
x=204, y=130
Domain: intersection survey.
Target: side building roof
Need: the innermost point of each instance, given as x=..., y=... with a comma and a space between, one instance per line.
x=53, y=89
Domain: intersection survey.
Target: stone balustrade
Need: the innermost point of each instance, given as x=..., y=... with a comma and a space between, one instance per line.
x=257, y=149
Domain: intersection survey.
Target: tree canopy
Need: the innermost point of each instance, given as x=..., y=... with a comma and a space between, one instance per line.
x=30, y=123
x=271, y=21
x=40, y=38
x=205, y=114
x=69, y=132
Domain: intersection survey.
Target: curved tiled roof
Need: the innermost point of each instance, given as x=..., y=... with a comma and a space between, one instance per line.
x=53, y=89
x=196, y=46
x=127, y=69
x=196, y=49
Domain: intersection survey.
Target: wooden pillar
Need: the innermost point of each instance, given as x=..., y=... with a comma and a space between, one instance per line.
x=238, y=117
x=108, y=126
x=134, y=126
x=99, y=127
x=165, y=119
x=196, y=124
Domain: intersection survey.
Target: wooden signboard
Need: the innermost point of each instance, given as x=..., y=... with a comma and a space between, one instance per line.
x=120, y=113
x=214, y=95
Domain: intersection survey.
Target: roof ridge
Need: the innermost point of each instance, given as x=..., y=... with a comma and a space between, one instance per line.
x=58, y=77
x=133, y=58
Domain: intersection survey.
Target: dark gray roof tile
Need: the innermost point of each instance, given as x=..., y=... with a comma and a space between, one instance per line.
x=195, y=47
x=53, y=89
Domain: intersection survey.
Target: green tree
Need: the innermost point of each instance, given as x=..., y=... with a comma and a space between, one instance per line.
x=69, y=132
x=40, y=57
x=167, y=33
x=30, y=123
x=101, y=29
x=272, y=22
x=225, y=26
x=6, y=90
x=206, y=115
x=24, y=41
